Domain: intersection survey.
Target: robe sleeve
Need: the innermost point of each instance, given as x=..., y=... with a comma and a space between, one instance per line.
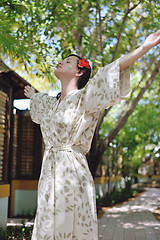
x=40, y=103
x=106, y=88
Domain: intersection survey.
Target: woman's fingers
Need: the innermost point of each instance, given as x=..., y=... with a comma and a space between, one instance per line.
x=28, y=91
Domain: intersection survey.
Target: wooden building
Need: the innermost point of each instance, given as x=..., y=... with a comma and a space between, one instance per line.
x=20, y=149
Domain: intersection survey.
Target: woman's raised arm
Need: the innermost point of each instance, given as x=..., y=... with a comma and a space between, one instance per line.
x=150, y=42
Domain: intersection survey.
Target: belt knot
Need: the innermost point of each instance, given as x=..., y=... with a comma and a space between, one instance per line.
x=64, y=148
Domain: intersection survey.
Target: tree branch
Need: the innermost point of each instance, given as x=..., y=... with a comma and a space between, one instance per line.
x=100, y=33
x=101, y=118
x=123, y=119
x=153, y=60
x=134, y=35
x=122, y=25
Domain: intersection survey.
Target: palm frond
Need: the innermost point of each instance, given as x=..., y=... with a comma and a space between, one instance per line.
x=11, y=45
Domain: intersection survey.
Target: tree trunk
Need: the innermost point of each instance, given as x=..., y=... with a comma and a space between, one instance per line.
x=98, y=147
x=94, y=156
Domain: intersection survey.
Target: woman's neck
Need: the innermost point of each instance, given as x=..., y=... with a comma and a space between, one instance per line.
x=66, y=88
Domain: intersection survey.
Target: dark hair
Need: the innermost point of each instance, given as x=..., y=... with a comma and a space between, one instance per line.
x=84, y=78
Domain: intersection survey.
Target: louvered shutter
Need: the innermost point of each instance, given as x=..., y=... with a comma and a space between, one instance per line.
x=3, y=98
x=27, y=155
x=14, y=147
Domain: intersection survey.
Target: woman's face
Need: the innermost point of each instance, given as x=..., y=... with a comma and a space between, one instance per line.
x=67, y=69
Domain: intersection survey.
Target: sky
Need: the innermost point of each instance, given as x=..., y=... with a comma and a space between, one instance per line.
x=22, y=104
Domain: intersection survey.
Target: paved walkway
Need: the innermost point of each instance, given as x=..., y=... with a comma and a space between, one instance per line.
x=133, y=220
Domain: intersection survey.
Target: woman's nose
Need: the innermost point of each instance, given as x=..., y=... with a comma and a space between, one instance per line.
x=59, y=63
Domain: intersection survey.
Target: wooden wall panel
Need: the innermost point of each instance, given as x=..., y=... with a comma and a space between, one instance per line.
x=26, y=147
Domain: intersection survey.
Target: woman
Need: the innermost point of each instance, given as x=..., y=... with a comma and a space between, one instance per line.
x=66, y=195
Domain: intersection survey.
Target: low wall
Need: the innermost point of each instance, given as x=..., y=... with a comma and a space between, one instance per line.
x=102, y=185
x=23, y=197
x=4, y=195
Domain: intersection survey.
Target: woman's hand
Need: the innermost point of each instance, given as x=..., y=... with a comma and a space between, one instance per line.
x=29, y=91
x=152, y=40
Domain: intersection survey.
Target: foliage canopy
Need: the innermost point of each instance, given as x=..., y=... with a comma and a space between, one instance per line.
x=36, y=33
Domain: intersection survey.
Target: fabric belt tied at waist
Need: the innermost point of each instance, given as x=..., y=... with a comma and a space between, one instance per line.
x=65, y=148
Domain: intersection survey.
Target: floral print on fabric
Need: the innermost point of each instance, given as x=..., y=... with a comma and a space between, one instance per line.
x=66, y=193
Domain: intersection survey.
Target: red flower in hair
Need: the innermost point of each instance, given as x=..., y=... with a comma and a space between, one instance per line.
x=83, y=63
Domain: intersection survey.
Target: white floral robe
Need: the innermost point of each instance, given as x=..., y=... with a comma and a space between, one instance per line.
x=66, y=194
